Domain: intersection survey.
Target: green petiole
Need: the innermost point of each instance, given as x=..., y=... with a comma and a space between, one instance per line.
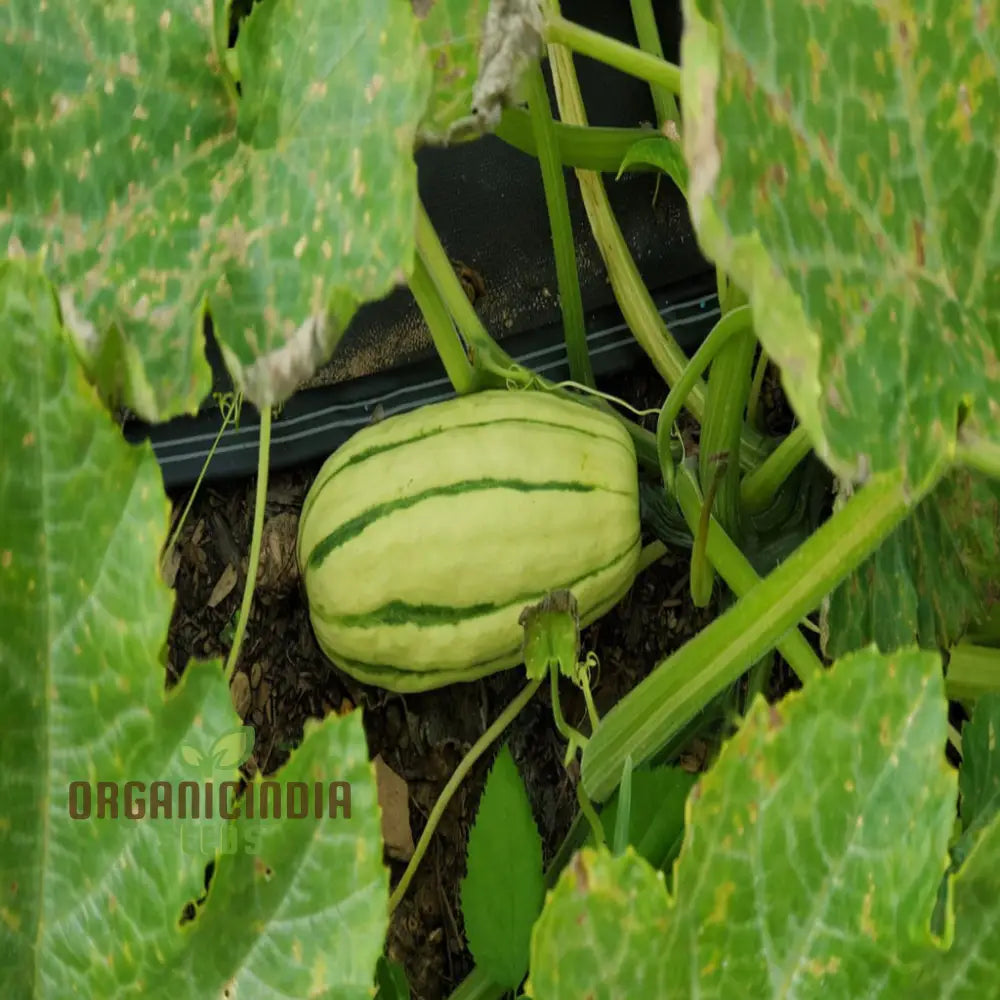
x=644, y=721
x=564, y=247
x=648, y=36
x=760, y=485
x=626, y=58
x=585, y=147
x=463, y=376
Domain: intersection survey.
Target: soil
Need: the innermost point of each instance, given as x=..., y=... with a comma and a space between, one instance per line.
x=283, y=679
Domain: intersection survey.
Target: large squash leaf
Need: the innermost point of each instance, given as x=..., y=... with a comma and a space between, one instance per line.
x=93, y=906
x=452, y=31
x=813, y=853
x=952, y=541
x=154, y=190
x=845, y=169
x=979, y=781
x=970, y=968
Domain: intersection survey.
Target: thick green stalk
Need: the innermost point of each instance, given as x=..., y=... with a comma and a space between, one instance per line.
x=626, y=58
x=753, y=402
x=725, y=405
x=680, y=686
x=979, y=453
x=760, y=486
x=972, y=671
x=633, y=299
x=739, y=575
x=563, y=245
x=727, y=327
x=986, y=632
x=651, y=553
x=460, y=372
x=488, y=357
x=588, y=147
x=480, y=344
x=648, y=36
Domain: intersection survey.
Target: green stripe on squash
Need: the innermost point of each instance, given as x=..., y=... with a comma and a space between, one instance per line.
x=352, y=528
x=380, y=449
x=411, y=682
x=424, y=537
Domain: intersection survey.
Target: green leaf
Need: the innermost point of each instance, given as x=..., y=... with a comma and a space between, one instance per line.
x=970, y=967
x=664, y=154
x=154, y=191
x=656, y=821
x=92, y=906
x=298, y=904
x=601, y=933
x=812, y=855
x=551, y=635
x=503, y=890
x=844, y=164
x=390, y=980
x=952, y=539
x=979, y=777
x=825, y=827
x=452, y=31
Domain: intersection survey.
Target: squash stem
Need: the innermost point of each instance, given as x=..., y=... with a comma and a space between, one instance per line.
x=594, y=147
x=557, y=203
x=634, y=300
x=651, y=553
x=263, y=465
x=503, y=720
x=573, y=737
x=972, y=671
x=590, y=815
x=979, y=453
x=588, y=697
x=753, y=402
x=681, y=685
x=736, y=571
x=449, y=347
x=626, y=58
x=760, y=486
x=733, y=323
x=496, y=365
x=647, y=34
x=725, y=409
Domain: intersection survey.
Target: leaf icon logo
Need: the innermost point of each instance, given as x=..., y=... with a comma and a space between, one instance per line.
x=228, y=751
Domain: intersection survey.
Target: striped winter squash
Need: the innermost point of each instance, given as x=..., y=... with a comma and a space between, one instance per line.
x=425, y=535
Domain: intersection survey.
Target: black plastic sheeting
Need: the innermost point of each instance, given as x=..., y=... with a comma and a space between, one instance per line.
x=316, y=421
x=487, y=203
